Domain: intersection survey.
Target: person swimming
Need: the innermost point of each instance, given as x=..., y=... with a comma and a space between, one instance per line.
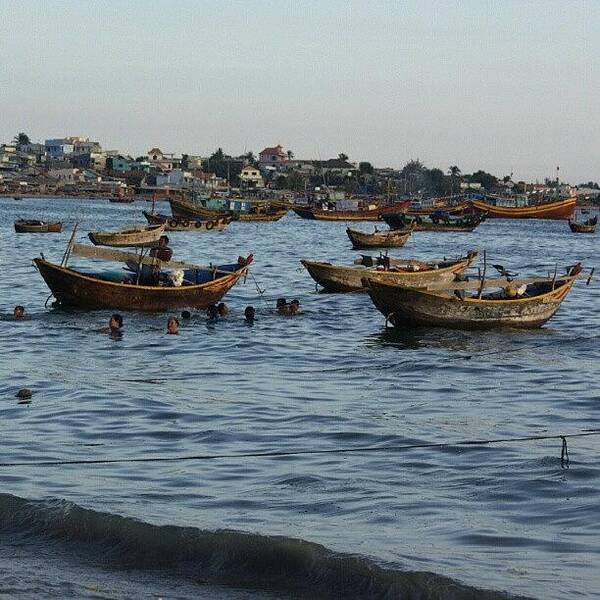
x=19, y=312
x=249, y=314
x=213, y=312
x=115, y=325
x=282, y=306
x=173, y=326
x=294, y=307
x=186, y=314
x=222, y=309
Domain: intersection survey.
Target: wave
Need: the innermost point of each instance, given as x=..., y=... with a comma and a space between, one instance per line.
x=291, y=567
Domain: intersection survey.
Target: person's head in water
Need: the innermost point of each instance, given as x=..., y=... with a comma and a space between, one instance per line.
x=186, y=314
x=282, y=306
x=294, y=307
x=249, y=314
x=212, y=311
x=115, y=323
x=19, y=312
x=222, y=309
x=173, y=325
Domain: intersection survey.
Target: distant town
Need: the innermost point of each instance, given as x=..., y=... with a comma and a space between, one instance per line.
x=78, y=166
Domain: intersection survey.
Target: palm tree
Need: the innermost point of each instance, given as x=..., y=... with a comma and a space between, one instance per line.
x=342, y=156
x=454, y=173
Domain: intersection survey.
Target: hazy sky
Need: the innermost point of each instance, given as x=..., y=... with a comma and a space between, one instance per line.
x=503, y=86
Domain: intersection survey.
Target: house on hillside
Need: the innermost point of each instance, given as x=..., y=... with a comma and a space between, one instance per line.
x=160, y=160
x=272, y=157
x=251, y=178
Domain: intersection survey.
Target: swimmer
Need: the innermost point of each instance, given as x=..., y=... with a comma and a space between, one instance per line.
x=173, y=326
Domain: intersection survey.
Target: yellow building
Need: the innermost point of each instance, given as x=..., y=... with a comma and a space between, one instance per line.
x=250, y=177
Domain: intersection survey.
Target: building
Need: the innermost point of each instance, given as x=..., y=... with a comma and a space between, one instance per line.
x=175, y=178
x=72, y=175
x=272, y=157
x=159, y=160
x=81, y=146
x=58, y=147
x=251, y=178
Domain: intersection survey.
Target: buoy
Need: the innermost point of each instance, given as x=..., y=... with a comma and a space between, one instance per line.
x=24, y=393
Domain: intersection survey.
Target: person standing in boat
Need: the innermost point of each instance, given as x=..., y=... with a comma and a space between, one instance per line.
x=150, y=274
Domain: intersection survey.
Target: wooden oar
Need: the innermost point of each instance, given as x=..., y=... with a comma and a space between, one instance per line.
x=121, y=256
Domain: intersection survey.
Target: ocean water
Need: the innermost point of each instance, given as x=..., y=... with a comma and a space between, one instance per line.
x=504, y=520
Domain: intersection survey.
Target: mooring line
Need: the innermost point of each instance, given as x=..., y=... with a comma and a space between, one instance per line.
x=281, y=453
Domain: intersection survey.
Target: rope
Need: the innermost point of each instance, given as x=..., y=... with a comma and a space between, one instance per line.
x=281, y=453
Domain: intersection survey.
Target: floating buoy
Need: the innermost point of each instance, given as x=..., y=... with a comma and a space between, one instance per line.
x=24, y=393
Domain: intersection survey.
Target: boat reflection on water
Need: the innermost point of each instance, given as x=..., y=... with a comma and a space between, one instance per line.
x=466, y=345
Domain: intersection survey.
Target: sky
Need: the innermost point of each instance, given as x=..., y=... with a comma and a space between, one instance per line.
x=507, y=87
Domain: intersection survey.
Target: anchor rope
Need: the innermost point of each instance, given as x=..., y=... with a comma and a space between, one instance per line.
x=282, y=453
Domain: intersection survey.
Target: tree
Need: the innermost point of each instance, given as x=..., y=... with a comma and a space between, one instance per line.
x=365, y=168
x=487, y=180
x=435, y=181
x=250, y=158
x=22, y=139
x=454, y=173
x=342, y=156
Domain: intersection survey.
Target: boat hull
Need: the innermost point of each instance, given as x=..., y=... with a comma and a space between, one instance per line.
x=561, y=209
x=348, y=215
x=587, y=227
x=400, y=221
x=21, y=227
x=144, y=236
x=183, y=209
x=350, y=279
x=381, y=239
x=173, y=224
x=405, y=306
x=71, y=288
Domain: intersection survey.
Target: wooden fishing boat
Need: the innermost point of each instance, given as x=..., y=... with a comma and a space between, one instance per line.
x=378, y=239
x=335, y=278
x=433, y=222
x=588, y=226
x=558, y=209
x=173, y=224
x=33, y=226
x=523, y=304
x=371, y=214
x=72, y=288
x=134, y=236
x=451, y=209
x=122, y=199
x=185, y=209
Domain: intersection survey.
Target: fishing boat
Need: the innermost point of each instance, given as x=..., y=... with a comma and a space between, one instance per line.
x=524, y=303
x=122, y=199
x=378, y=239
x=187, y=286
x=174, y=224
x=335, y=278
x=447, y=205
x=372, y=213
x=33, y=226
x=129, y=237
x=436, y=221
x=259, y=211
x=501, y=208
x=588, y=226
